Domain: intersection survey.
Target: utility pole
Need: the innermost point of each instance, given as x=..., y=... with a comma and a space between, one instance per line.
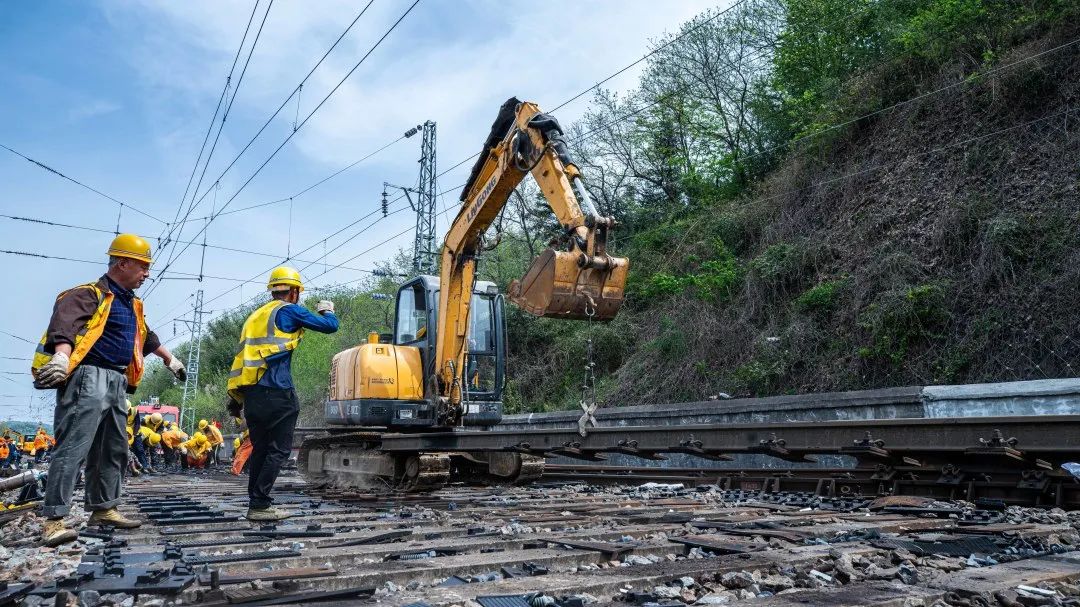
x=424, y=248
x=191, y=382
x=424, y=260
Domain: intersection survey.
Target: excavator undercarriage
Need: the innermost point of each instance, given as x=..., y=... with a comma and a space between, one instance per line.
x=354, y=460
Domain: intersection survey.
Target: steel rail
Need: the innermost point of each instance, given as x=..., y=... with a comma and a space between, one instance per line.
x=1042, y=441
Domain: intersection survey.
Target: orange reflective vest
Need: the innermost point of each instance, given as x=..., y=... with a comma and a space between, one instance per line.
x=88, y=335
x=5, y=451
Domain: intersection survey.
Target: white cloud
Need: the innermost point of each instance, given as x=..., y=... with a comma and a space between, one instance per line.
x=453, y=62
x=92, y=109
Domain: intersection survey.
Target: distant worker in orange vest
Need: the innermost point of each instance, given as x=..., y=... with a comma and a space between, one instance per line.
x=92, y=355
x=170, y=443
x=241, y=447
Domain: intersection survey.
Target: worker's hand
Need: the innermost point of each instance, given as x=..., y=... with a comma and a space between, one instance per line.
x=177, y=368
x=235, y=408
x=183, y=450
x=325, y=306
x=53, y=373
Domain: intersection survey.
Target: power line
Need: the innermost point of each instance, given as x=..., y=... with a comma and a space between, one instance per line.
x=81, y=184
x=93, y=262
x=18, y=338
x=258, y=133
x=224, y=115
x=213, y=119
x=306, y=118
x=100, y=230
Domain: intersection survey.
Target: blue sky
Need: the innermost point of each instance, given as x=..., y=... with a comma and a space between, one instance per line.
x=118, y=94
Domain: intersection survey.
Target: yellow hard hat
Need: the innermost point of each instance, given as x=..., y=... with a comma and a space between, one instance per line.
x=155, y=418
x=200, y=438
x=154, y=439
x=203, y=424
x=131, y=246
x=284, y=276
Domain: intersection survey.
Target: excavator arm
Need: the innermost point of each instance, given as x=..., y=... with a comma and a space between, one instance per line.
x=579, y=280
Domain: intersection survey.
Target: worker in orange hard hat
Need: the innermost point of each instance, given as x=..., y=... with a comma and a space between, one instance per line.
x=92, y=355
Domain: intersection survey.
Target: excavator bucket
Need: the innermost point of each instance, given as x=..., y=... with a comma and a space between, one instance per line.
x=557, y=286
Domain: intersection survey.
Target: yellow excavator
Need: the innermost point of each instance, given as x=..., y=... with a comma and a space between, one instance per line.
x=443, y=366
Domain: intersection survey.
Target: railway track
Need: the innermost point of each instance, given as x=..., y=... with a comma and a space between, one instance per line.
x=576, y=543
x=1012, y=460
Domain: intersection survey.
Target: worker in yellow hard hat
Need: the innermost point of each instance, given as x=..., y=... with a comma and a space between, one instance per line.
x=196, y=450
x=156, y=423
x=92, y=355
x=260, y=381
x=213, y=434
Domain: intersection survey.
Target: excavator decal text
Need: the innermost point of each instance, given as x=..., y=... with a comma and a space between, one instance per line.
x=475, y=208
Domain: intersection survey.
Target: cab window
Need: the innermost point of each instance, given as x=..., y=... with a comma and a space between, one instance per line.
x=412, y=315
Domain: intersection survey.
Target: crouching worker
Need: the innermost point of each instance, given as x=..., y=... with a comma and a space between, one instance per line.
x=196, y=452
x=92, y=355
x=170, y=444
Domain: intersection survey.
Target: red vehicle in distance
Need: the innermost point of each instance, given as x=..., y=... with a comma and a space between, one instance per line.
x=168, y=412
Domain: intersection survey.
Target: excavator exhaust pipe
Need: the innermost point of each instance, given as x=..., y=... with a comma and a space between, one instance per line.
x=562, y=284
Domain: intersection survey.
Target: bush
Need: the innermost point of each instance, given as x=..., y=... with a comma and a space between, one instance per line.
x=821, y=298
x=712, y=279
x=777, y=263
x=901, y=319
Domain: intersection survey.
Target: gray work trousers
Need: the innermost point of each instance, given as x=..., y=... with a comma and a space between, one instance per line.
x=90, y=424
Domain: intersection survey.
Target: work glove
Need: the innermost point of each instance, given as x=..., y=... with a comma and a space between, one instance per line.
x=53, y=373
x=183, y=450
x=178, y=369
x=325, y=306
x=235, y=408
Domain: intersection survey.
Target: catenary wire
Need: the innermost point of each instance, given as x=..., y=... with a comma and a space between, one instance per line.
x=304, y=121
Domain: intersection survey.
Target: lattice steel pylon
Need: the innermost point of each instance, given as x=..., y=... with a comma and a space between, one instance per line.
x=191, y=382
x=424, y=246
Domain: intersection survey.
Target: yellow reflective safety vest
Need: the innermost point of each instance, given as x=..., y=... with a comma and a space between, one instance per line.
x=88, y=335
x=259, y=339
x=214, y=435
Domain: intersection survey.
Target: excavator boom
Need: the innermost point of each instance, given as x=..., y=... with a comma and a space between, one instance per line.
x=579, y=280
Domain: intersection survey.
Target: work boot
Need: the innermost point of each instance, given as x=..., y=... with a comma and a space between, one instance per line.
x=266, y=514
x=112, y=518
x=55, y=532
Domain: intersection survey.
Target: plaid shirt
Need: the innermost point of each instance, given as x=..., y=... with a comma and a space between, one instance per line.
x=117, y=343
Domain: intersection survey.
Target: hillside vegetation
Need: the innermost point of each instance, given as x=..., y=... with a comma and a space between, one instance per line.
x=814, y=195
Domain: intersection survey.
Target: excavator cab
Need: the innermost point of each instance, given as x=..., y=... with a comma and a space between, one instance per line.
x=392, y=385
